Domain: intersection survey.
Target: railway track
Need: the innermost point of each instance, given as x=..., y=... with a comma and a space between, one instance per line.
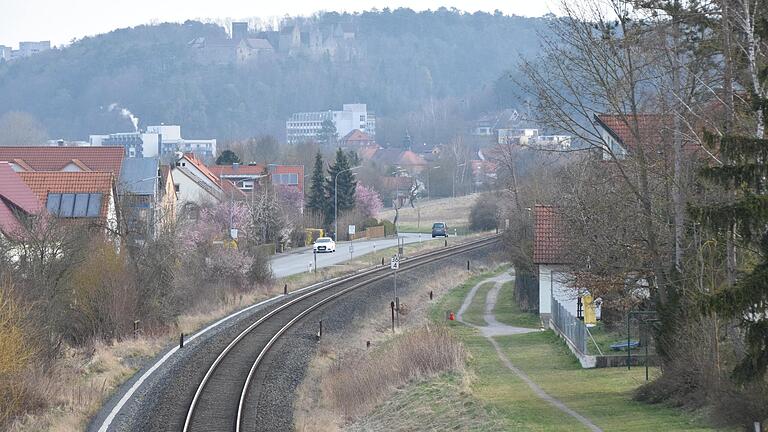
x=227, y=396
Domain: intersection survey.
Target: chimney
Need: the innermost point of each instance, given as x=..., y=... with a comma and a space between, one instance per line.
x=235, y=165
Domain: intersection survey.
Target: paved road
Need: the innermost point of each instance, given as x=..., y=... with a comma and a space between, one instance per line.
x=298, y=262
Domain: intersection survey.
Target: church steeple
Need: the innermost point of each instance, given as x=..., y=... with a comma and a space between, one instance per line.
x=407, y=141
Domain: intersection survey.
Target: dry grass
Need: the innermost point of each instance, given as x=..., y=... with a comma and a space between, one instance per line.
x=315, y=409
x=357, y=384
x=453, y=211
x=77, y=384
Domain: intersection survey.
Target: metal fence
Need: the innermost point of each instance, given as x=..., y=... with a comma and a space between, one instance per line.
x=569, y=327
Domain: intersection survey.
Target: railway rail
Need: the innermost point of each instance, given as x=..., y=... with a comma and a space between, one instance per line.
x=226, y=397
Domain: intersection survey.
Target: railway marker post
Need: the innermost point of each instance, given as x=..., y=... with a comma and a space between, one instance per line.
x=314, y=254
x=467, y=265
x=285, y=289
x=394, y=264
x=392, y=306
x=430, y=295
x=181, y=340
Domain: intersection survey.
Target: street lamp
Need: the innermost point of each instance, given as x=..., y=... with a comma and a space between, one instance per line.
x=429, y=192
x=336, y=202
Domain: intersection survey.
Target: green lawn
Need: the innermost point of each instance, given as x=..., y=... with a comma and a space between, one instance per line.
x=605, y=338
x=603, y=395
x=508, y=312
x=476, y=310
x=490, y=397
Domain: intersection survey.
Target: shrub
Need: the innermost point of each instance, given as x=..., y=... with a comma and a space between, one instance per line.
x=389, y=228
x=484, y=213
x=17, y=352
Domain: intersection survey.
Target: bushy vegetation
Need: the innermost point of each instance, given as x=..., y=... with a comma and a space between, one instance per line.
x=485, y=213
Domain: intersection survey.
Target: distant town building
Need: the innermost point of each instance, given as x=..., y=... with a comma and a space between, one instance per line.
x=306, y=126
x=67, y=143
x=26, y=49
x=293, y=38
x=162, y=140
x=356, y=138
x=5, y=53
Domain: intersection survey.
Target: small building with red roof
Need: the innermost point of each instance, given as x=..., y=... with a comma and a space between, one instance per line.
x=356, y=138
x=552, y=263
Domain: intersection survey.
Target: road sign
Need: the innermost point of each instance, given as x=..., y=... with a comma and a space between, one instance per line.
x=394, y=263
x=351, y=230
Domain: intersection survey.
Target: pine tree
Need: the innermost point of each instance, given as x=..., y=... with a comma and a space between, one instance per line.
x=345, y=184
x=317, y=199
x=328, y=134
x=743, y=175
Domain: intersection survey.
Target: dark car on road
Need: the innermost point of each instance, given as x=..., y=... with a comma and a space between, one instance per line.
x=439, y=229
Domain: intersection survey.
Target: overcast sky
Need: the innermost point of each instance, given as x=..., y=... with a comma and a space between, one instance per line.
x=60, y=21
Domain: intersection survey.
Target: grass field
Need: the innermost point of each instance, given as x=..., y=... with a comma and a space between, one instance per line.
x=452, y=211
x=475, y=311
x=603, y=395
x=508, y=312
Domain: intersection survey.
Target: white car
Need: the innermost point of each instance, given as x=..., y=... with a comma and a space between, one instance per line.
x=324, y=244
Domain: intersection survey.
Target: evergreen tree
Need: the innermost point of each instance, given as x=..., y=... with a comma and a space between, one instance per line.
x=317, y=199
x=345, y=185
x=328, y=134
x=227, y=157
x=743, y=175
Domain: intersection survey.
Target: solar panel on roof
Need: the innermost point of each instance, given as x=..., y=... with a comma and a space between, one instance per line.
x=74, y=205
x=81, y=205
x=94, y=205
x=54, y=200
x=67, y=205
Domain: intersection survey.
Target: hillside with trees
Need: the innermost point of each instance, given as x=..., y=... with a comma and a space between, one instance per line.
x=426, y=71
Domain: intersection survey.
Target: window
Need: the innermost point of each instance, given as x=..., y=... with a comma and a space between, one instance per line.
x=176, y=187
x=286, y=179
x=71, y=205
x=362, y=118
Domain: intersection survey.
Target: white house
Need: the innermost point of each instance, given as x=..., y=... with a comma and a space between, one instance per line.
x=194, y=182
x=554, y=271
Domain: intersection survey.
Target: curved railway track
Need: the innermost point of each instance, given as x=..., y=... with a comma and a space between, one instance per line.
x=227, y=396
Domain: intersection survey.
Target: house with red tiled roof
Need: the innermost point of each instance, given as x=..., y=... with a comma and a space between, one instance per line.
x=72, y=159
x=549, y=256
x=16, y=201
x=75, y=196
x=195, y=182
x=249, y=177
x=245, y=177
x=356, y=138
x=622, y=134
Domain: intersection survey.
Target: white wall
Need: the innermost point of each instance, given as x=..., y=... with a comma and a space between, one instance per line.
x=552, y=284
x=189, y=190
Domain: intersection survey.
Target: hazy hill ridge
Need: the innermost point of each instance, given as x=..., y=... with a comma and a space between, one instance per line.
x=411, y=68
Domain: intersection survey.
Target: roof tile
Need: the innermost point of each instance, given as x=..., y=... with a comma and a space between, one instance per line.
x=548, y=241
x=107, y=159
